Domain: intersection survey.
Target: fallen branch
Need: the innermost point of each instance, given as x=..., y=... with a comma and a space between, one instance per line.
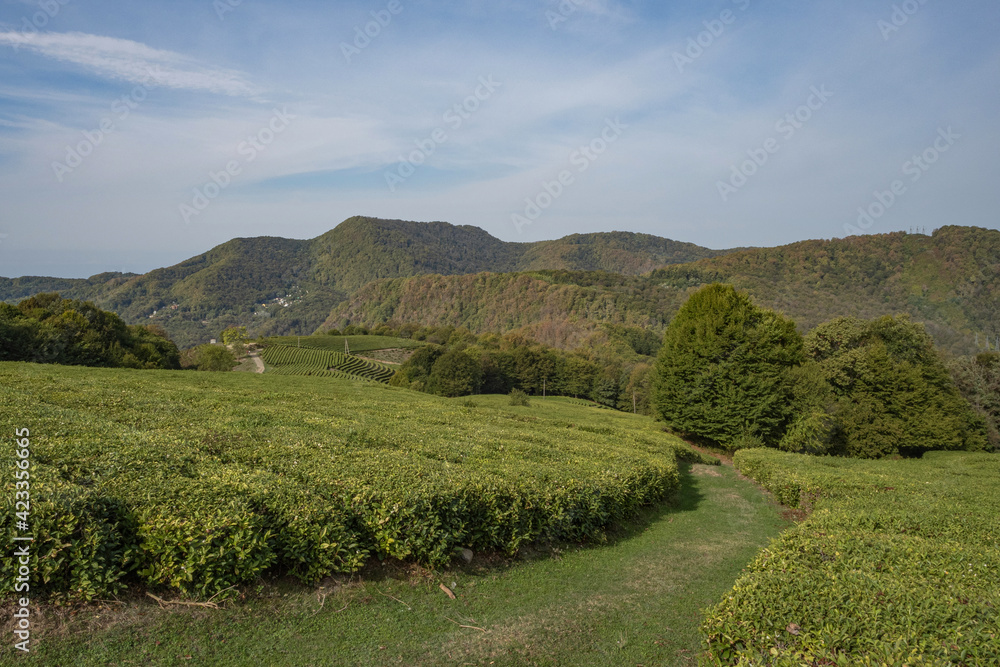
x=207, y=605
x=471, y=627
x=447, y=591
x=396, y=599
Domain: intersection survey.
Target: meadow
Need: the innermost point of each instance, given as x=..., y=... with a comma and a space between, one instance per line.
x=197, y=483
x=895, y=565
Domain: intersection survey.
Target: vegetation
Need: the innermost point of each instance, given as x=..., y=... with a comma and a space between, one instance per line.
x=741, y=377
x=978, y=379
x=723, y=370
x=288, y=360
x=199, y=486
x=208, y=357
x=895, y=565
x=893, y=392
x=355, y=343
x=50, y=329
x=628, y=602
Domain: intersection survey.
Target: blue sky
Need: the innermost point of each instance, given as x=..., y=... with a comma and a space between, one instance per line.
x=136, y=134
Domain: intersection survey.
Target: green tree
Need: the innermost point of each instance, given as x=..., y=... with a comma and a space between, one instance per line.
x=894, y=393
x=723, y=372
x=208, y=358
x=978, y=380
x=455, y=373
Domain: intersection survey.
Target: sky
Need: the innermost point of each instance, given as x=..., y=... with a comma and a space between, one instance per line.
x=135, y=134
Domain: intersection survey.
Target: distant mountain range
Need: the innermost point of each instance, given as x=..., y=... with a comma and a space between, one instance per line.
x=367, y=271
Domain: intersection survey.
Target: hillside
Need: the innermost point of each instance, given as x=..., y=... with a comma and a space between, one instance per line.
x=950, y=281
x=367, y=271
x=278, y=285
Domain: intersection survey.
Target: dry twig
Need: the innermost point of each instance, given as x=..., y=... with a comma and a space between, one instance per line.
x=471, y=627
x=396, y=599
x=207, y=605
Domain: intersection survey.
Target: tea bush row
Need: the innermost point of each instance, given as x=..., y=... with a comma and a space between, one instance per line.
x=197, y=484
x=287, y=360
x=894, y=566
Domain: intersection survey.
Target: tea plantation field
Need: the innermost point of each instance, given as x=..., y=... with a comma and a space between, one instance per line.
x=194, y=483
x=896, y=565
x=356, y=344
x=289, y=360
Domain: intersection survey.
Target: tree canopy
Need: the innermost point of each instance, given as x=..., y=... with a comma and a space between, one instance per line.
x=723, y=371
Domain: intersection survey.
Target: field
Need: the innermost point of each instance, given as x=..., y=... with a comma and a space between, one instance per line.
x=288, y=360
x=196, y=483
x=356, y=344
x=896, y=565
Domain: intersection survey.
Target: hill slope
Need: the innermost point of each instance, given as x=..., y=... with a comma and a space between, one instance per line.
x=950, y=281
x=279, y=285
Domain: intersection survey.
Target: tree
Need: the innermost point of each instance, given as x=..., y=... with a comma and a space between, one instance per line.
x=978, y=380
x=455, y=373
x=208, y=358
x=723, y=372
x=894, y=393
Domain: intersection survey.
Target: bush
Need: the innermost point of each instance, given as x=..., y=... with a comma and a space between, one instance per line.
x=208, y=358
x=518, y=397
x=895, y=565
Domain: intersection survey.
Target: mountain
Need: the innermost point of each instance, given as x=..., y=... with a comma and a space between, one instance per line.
x=949, y=281
x=278, y=285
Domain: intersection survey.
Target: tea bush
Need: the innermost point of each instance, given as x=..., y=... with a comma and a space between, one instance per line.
x=196, y=483
x=896, y=565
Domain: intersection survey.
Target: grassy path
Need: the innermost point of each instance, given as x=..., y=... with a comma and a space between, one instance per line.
x=635, y=601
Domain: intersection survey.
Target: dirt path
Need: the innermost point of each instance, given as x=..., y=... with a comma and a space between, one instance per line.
x=258, y=362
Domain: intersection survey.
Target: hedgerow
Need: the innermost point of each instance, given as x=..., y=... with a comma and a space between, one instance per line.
x=200, y=483
x=895, y=565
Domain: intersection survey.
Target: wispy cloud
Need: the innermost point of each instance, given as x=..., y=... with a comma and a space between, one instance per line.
x=134, y=62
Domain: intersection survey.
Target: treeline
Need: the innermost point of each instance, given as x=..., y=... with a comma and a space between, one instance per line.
x=612, y=369
x=49, y=329
x=740, y=376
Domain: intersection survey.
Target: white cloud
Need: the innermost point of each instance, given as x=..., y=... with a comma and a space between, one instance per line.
x=125, y=60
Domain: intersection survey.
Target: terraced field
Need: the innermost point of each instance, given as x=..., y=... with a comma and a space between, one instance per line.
x=355, y=344
x=288, y=360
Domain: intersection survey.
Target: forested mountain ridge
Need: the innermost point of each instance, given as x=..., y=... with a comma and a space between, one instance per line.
x=367, y=271
x=949, y=281
x=278, y=285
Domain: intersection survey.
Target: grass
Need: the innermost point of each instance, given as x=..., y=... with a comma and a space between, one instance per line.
x=634, y=601
x=896, y=565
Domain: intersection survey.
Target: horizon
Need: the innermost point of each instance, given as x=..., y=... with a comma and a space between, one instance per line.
x=427, y=222
x=132, y=138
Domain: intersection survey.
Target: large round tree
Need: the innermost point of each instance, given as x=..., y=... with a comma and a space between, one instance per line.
x=723, y=371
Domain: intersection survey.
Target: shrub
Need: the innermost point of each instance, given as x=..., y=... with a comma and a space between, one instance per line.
x=518, y=397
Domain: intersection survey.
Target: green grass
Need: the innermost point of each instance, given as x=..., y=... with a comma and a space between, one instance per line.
x=357, y=344
x=636, y=600
x=194, y=482
x=896, y=565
